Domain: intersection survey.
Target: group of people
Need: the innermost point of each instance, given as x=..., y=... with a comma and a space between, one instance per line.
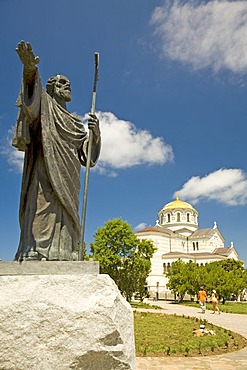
x=202, y=298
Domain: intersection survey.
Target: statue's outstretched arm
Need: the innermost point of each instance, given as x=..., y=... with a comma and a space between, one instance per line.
x=29, y=61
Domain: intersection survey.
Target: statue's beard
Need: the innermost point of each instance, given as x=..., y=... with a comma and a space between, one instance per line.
x=64, y=94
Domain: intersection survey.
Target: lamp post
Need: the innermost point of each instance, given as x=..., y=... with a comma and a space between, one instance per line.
x=157, y=290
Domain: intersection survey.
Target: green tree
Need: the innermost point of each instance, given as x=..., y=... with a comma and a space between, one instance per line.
x=200, y=278
x=227, y=277
x=123, y=256
x=182, y=278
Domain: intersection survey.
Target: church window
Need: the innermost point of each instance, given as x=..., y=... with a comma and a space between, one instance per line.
x=164, y=268
x=197, y=246
x=168, y=266
x=188, y=217
x=168, y=217
x=178, y=217
x=194, y=247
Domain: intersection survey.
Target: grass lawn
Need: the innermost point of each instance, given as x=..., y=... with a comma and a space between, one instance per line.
x=171, y=335
x=229, y=307
x=144, y=305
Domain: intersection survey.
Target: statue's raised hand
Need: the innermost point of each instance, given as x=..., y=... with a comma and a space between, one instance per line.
x=26, y=55
x=28, y=59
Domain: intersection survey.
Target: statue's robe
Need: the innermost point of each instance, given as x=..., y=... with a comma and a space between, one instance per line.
x=55, y=145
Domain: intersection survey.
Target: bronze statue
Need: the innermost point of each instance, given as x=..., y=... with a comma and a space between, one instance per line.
x=55, y=145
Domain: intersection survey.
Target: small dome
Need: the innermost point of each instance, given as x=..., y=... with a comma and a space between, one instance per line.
x=178, y=203
x=178, y=215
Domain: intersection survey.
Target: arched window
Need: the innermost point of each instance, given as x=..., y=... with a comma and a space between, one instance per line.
x=168, y=266
x=178, y=217
x=188, y=217
x=197, y=246
x=194, y=247
x=168, y=217
x=164, y=268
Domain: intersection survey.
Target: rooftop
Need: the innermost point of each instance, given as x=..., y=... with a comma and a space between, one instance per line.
x=178, y=203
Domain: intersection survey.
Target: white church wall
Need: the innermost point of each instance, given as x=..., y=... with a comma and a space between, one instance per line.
x=233, y=255
x=198, y=245
x=214, y=242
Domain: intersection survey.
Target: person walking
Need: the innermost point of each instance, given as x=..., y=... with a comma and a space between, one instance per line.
x=215, y=301
x=202, y=298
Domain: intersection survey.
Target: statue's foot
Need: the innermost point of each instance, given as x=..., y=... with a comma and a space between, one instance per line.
x=75, y=256
x=32, y=255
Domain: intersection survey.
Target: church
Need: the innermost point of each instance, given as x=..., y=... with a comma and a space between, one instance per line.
x=177, y=235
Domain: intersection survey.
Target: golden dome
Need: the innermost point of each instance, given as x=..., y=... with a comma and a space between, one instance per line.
x=178, y=203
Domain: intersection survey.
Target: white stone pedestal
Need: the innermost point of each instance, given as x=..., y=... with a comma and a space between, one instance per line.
x=64, y=321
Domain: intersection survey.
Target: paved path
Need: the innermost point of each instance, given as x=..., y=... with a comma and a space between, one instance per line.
x=232, y=361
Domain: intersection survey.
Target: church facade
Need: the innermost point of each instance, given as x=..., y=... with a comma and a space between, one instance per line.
x=177, y=235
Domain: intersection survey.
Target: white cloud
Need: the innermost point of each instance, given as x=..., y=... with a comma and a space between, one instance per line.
x=123, y=146
x=140, y=226
x=14, y=157
x=227, y=186
x=204, y=34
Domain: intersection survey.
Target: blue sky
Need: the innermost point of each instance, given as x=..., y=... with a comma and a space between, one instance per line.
x=172, y=101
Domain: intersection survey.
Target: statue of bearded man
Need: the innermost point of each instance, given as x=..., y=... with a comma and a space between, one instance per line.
x=55, y=145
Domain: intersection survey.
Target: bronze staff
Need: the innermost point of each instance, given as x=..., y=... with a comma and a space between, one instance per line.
x=83, y=219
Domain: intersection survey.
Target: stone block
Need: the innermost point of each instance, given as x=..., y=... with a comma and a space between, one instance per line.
x=51, y=322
